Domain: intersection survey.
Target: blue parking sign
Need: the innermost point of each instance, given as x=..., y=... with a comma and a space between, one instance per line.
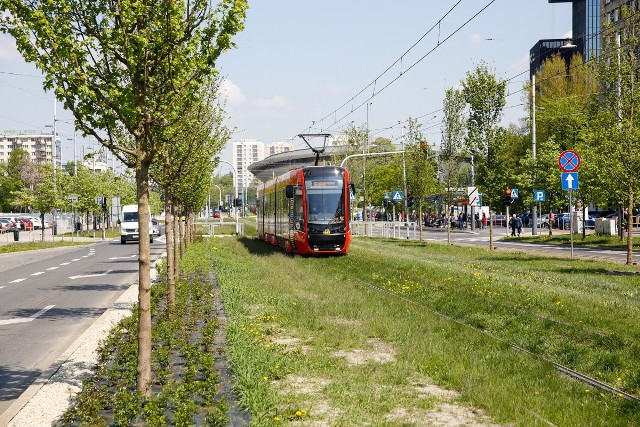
x=539, y=195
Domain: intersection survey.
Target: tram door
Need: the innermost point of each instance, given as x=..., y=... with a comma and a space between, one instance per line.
x=298, y=212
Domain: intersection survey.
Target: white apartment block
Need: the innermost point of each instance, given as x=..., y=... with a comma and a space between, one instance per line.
x=246, y=152
x=277, y=148
x=38, y=145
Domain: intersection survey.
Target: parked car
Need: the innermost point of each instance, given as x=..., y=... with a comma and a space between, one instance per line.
x=590, y=222
x=25, y=224
x=500, y=220
x=35, y=221
x=216, y=213
x=5, y=224
x=13, y=223
x=543, y=221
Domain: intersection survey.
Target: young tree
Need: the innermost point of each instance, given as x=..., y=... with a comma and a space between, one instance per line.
x=616, y=138
x=421, y=167
x=486, y=97
x=185, y=167
x=121, y=67
x=453, y=148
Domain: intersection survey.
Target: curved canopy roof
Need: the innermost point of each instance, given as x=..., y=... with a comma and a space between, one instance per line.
x=280, y=163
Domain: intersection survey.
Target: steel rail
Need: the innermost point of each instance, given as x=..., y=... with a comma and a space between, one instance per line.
x=564, y=369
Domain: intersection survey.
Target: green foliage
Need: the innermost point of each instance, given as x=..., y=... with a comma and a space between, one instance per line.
x=421, y=166
x=486, y=97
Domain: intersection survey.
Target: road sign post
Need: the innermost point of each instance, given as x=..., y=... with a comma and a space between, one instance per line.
x=569, y=162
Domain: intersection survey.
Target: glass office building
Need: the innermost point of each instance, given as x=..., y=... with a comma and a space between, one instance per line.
x=585, y=25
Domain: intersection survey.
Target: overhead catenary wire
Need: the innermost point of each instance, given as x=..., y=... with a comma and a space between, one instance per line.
x=403, y=73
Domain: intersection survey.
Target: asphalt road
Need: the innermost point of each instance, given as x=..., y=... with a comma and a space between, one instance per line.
x=50, y=297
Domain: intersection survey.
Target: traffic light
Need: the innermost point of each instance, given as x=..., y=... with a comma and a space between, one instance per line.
x=410, y=199
x=236, y=202
x=507, y=197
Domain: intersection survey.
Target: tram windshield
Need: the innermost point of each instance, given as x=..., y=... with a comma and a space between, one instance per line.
x=325, y=201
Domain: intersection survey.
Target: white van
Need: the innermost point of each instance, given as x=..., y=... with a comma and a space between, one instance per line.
x=129, y=224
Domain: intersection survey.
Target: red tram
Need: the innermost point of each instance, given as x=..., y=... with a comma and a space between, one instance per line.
x=306, y=211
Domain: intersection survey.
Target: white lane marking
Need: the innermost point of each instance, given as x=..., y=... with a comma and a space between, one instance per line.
x=26, y=319
x=65, y=263
x=18, y=280
x=90, y=275
x=1, y=287
x=123, y=257
x=74, y=260
x=38, y=273
x=52, y=268
x=85, y=256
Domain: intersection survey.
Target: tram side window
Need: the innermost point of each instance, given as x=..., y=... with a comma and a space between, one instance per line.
x=297, y=202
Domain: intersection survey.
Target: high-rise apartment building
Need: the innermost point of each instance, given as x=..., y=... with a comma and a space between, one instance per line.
x=277, y=148
x=38, y=145
x=246, y=152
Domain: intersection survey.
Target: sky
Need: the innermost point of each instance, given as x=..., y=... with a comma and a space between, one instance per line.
x=303, y=66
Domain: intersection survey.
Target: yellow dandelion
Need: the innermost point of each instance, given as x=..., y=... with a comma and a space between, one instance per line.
x=265, y=378
x=276, y=418
x=298, y=413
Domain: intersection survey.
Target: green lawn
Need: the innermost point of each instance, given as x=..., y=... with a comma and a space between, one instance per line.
x=397, y=332
x=29, y=246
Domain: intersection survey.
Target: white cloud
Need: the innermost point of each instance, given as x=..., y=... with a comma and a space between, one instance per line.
x=232, y=92
x=476, y=39
x=275, y=102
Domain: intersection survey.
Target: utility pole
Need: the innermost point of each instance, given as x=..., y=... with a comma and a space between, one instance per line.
x=534, y=209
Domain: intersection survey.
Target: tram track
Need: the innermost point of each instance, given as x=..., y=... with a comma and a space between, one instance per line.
x=564, y=369
x=570, y=372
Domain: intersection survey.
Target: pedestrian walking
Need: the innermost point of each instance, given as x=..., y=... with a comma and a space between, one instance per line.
x=519, y=225
x=484, y=220
x=512, y=224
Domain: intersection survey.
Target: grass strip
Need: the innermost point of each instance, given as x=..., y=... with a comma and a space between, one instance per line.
x=30, y=246
x=310, y=340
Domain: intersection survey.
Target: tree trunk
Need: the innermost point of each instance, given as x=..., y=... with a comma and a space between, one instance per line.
x=176, y=242
x=143, y=379
x=630, y=226
x=42, y=223
x=171, y=279
x=182, y=230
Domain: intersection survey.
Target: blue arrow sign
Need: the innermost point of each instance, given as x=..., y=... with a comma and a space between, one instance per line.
x=540, y=195
x=514, y=193
x=397, y=195
x=570, y=181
